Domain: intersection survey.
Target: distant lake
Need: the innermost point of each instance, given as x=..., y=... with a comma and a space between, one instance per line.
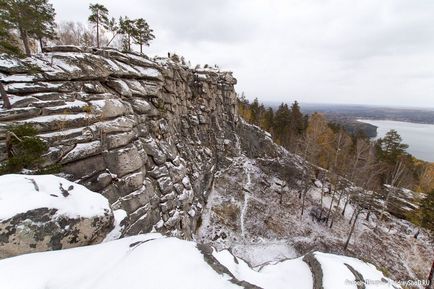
x=419, y=137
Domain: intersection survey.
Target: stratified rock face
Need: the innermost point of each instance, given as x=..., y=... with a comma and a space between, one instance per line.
x=145, y=134
x=44, y=213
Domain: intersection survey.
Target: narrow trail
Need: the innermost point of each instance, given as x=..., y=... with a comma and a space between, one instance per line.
x=246, y=191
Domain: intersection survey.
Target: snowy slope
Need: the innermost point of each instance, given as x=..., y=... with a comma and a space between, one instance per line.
x=283, y=275
x=153, y=261
x=143, y=261
x=336, y=265
x=22, y=193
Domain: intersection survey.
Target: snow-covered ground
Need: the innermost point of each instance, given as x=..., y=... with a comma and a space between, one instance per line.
x=22, y=193
x=153, y=261
x=143, y=261
x=283, y=275
x=336, y=265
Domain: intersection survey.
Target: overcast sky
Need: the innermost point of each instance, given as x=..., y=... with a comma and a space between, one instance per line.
x=330, y=51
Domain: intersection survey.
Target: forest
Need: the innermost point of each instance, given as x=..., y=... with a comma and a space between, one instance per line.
x=383, y=165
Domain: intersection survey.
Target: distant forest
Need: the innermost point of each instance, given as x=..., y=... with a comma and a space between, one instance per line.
x=352, y=155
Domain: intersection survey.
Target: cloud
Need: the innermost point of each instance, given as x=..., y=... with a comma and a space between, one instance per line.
x=355, y=51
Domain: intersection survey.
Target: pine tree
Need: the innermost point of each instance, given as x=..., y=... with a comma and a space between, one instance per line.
x=142, y=33
x=126, y=27
x=297, y=120
x=268, y=120
x=282, y=119
x=46, y=27
x=254, y=108
x=296, y=125
x=8, y=43
x=98, y=17
x=32, y=19
x=391, y=147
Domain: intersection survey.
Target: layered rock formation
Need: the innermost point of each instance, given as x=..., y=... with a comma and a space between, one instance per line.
x=145, y=134
x=163, y=142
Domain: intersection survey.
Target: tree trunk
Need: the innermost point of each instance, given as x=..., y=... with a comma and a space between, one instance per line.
x=141, y=51
x=303, y=201
x=331, y=204
x=352, y=216
x=97, y=30
x=336, y=211
x=41, y=44
x=129, y=43
x=5, y=98
x=345, y=206
x=368, y=215
x=431, y=278
x=108, y=44
x=351, y=231
x=25, y=39
x=386, y=202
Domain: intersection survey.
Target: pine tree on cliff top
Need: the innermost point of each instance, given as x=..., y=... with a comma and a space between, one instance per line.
x=31, y=18
x=98, y=17
x=142, y=33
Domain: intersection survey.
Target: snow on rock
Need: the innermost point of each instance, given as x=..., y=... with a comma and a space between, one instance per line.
x=144, y=261
x=119, y=217
x=40, y=213
x=344, y=272
x=152, y=261
x=287, y=274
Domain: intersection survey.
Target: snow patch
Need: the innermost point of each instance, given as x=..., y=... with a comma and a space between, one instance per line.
x=22, y=193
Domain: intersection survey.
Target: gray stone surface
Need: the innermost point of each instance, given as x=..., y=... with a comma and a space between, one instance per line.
x=40, y=230
x=132, y=128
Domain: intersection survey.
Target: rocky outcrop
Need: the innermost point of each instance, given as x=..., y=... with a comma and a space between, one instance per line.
x=146, y=134
x=163, y=142
x=44, y=213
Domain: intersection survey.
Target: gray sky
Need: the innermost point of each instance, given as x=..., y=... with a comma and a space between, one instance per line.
x=333, y=51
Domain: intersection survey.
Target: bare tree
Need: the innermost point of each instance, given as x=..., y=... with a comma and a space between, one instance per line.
x=356, y=214
x=306, y=185
x=394, y=180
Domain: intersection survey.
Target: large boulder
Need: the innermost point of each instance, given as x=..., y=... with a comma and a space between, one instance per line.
x=42, y=213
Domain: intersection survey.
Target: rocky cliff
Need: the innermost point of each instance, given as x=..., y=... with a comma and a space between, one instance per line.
x=163, y=142
x=146, y=134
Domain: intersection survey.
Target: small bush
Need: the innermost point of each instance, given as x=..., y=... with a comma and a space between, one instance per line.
x=87, y=109
x=25, y=150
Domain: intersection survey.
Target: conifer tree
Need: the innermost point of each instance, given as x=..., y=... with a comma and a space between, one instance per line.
x=296, y=125
x=391, y=147
x=98, y=17
x=255, y=113
x=46, y=27
x=126, y=27
x=8, y=43
x=268, y=120
x=281, y=124
x=31, y=18
x=297, y=120
x=142, y=33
